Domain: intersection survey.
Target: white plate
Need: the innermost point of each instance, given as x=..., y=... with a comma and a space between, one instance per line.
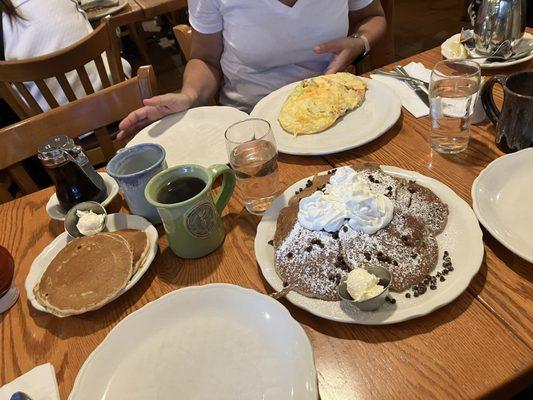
x=55, y=212
x=115, y=222
x=195, y=136
x=102, y=12
x=462, y=238
x=502, y=197
x=481, y=62
x=379, y=112
x=202, y=342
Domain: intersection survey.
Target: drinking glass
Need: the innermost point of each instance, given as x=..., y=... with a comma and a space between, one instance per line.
x=253, y=156
x=453, y=90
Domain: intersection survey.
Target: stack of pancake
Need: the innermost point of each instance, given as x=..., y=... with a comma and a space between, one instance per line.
x=314, y=262
x=90, y=271
x=317, y=103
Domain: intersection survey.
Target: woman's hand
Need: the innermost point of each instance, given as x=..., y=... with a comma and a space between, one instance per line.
x=154, y=109
x=345, y=50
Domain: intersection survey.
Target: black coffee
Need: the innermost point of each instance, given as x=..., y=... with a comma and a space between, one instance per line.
x=179, y=190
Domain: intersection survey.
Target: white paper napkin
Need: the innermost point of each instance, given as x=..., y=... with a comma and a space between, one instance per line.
x=408, y=97
x=40, y=384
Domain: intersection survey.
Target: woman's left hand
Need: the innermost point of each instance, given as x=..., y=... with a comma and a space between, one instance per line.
x=345, y=50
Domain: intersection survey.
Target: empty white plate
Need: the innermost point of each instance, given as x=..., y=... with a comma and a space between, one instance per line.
x=502, y=196
x=379, y=112
x=114, y=222
x=201, y=343
x=195, y=136
x=55, y=212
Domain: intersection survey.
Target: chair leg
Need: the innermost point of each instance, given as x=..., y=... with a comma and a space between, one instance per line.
x=22, y=179
x=136, y=36
x=105, y=142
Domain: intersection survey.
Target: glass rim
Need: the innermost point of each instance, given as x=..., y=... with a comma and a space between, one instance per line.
x=463, y=62
x=247, y=120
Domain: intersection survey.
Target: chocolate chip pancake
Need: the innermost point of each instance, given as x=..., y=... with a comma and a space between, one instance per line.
x=85, y=274
x=405, y=247
x=312, y=262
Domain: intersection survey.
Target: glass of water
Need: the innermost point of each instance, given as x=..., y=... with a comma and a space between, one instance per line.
x=453, y=89
x=253, y=155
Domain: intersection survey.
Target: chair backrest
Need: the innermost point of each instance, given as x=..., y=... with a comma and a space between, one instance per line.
x=20, y=140
x=55, y=65
x=383, y=52
x=183, y=35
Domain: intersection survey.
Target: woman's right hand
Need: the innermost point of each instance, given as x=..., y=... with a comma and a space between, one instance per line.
x=154, y=109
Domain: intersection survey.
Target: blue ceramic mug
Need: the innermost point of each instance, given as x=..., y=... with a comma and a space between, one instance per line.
x=132, y=168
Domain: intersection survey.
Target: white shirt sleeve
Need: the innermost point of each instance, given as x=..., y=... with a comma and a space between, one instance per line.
x=204, y=16
x=358, y=4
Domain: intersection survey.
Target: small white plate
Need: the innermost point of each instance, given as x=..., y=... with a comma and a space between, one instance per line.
x=379, y=112
x=55, y=212
x=481, y=61
x=105, y=11
x=215, y=341
x=502, y=197
x=195, y=136
x=115, y=222
x=462, y=238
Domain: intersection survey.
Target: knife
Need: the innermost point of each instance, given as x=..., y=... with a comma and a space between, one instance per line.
x=416, y=88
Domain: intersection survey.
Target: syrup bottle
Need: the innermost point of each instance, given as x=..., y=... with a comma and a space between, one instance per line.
x=73, y=175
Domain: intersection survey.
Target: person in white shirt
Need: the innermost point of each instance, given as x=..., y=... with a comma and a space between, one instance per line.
x=37, y=27
x=247, y=49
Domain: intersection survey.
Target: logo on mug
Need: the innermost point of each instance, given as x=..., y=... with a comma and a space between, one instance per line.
x=200, y=220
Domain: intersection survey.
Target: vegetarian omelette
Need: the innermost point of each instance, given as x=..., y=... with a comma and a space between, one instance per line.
x=317, y=103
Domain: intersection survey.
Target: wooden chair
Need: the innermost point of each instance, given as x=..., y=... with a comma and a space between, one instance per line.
x=183, y=35
x=20, y=140
x=53, y=67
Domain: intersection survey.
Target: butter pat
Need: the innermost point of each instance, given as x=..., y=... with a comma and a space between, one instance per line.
x=362, y=285
x=89, y=223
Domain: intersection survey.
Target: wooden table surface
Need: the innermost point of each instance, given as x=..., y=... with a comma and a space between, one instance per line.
x=479, y=345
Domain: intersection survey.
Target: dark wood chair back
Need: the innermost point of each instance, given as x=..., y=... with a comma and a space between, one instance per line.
x=20, y=140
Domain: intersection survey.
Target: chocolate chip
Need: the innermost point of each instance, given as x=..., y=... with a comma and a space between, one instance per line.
x=416, y=294
x=309, y=248
x=371, y=178
x=446, y=264
x=433, y=287
x=445, y=272
x=392, y=300
x=389, y=188
x=271, y=242
x=438, y=274
x=297, y=192
x=289, y=255
x=309, y=183
x=412, y=189
x=395, y=263
x=446, y=254
x=314, y=241
x=450, y=269
x=367, y=255
x=442, y=279
x=285, y=284
x=408, y=295
x=331, y=277
x=380, y=254
x=335, y=235
x=345, y=229
x=414, y=255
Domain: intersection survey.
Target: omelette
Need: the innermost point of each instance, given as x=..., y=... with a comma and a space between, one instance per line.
x=317, y=103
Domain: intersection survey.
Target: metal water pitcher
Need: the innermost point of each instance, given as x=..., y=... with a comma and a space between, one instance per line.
x=499, y=21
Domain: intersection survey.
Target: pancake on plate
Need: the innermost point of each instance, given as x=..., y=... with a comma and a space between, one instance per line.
x=85, y=274
x=317, y=103
x=313, y=263
x=138, y=241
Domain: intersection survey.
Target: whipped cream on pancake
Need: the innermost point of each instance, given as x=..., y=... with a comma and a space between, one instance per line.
x=89, y=223
x=318, y=213
x=345, y=197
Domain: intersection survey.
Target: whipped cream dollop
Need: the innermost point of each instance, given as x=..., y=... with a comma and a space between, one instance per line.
x=317, y=213
x=89, y=223
x=362, y=285
x=345, y=198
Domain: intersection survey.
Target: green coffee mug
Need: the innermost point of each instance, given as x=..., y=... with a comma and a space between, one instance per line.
x=193, y=226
